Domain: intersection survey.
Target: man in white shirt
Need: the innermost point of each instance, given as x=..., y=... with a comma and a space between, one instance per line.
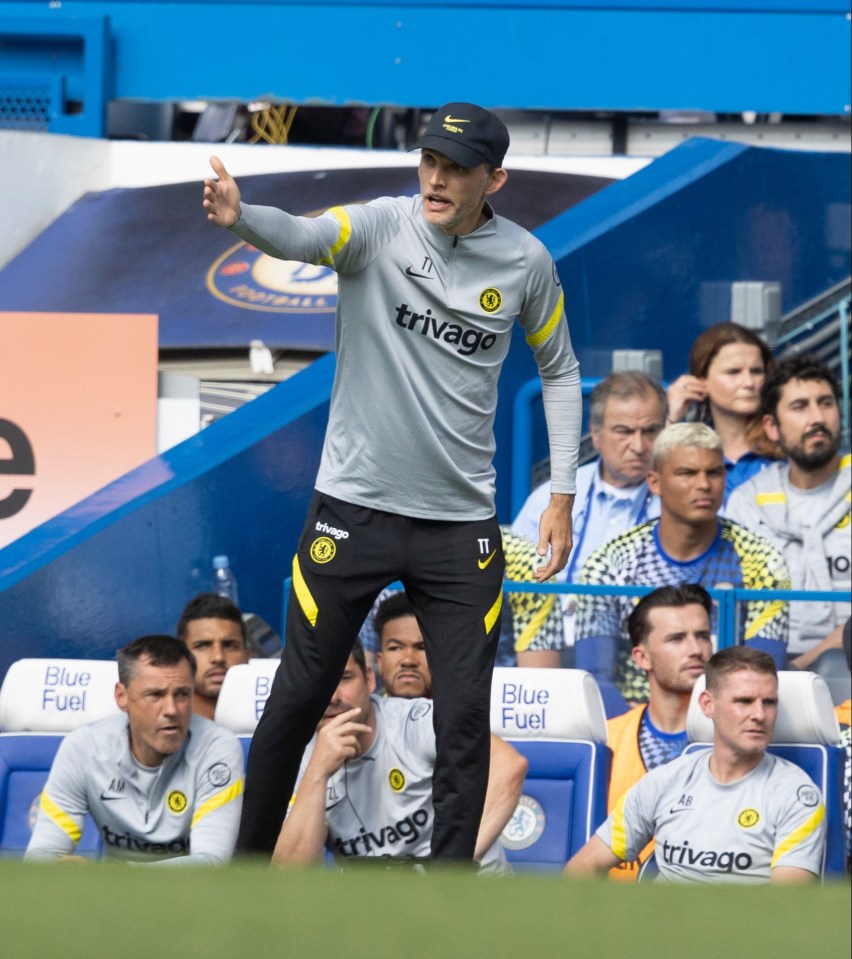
x=627, y=411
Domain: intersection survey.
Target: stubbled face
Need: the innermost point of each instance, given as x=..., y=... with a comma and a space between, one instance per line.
x=677, y=647
x=402, y=660
x=734, y=378
x=806, y=424
x=743, y=710
x=690, y=483
x=353, y=690
x=626, y=438
x=217, y=645
x=453, y=196
x=158, y=703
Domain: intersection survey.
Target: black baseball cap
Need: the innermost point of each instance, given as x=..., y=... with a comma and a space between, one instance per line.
x=467, y=134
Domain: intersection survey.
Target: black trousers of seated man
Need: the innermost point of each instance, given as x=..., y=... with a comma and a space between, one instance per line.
x=453, y=576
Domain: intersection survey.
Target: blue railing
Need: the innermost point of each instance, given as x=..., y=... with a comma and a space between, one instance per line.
x=726, y=599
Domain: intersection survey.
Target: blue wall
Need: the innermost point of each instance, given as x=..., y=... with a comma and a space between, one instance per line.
x=788, y=56
x=645, y=263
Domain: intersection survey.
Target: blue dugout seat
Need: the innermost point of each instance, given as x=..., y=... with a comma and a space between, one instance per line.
x=40, y=701
x=807, y=734
x=556, y=719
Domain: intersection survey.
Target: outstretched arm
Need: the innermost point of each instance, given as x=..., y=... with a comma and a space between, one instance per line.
x=221, y=196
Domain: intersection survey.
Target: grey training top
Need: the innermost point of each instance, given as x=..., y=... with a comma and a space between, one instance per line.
x=707, y=831
x=424, y=323
x=380, y=804
x=185, y=811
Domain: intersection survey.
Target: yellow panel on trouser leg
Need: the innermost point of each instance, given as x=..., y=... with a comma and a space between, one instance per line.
x=303, y=594
x=492, y=615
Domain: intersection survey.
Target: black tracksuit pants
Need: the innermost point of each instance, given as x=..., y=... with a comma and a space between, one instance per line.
x=453, y=575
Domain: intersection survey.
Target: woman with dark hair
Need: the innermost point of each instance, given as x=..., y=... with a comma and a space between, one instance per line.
x=727, y=366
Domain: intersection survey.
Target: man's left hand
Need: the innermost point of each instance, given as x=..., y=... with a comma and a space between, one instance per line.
x=555, y=532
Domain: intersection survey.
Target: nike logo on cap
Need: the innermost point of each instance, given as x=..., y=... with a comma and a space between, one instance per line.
x=450, y=119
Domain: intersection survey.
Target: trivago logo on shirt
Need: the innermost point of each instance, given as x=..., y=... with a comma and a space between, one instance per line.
x=126, y=840
x=367, y=843
x=467, y=341
x=686, y=855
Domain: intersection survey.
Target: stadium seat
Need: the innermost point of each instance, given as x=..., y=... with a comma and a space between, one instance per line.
x=807, y=734
x=556, y=719
x=243, y=696
x=40, y=701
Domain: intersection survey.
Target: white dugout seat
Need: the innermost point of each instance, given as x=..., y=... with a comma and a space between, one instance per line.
x=41, y=700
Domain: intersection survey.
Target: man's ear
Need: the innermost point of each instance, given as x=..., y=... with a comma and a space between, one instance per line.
x=639, y=654
x=770, y=427
x=654, y=482
x=496, y=181
x=121, y=696
x=595, y=433
x=371, y=679
x=705, y=701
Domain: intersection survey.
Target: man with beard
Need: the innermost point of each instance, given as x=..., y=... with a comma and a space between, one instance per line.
x=803, y=506
x=670, y=634
x=212, y=628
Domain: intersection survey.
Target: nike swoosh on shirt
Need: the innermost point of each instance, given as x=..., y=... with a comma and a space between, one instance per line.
x=679, y=809
x=423, y=276
x=482, y=563
x=108, y=798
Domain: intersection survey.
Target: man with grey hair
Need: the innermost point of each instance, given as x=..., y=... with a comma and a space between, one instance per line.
x=689, y=543
x=627, y=411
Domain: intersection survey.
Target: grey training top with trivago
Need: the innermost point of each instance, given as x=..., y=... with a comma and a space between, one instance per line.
x=380, y=803
x=186, y=811
x=707, y=831
x=424, y=323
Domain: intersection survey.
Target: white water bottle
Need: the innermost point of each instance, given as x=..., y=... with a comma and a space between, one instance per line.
x=224, y=581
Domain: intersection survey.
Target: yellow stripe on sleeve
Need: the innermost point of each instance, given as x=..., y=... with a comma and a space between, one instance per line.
x=536, y=339
x=798, y=835
x=845, y=462
x=493, y=613
x=619, y=834
x=62, y=819
x=342, y=218
x=303, y=594
x=216, y=802
x=770, y=499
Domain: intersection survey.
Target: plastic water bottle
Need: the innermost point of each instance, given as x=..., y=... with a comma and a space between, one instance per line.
x=224, y=581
